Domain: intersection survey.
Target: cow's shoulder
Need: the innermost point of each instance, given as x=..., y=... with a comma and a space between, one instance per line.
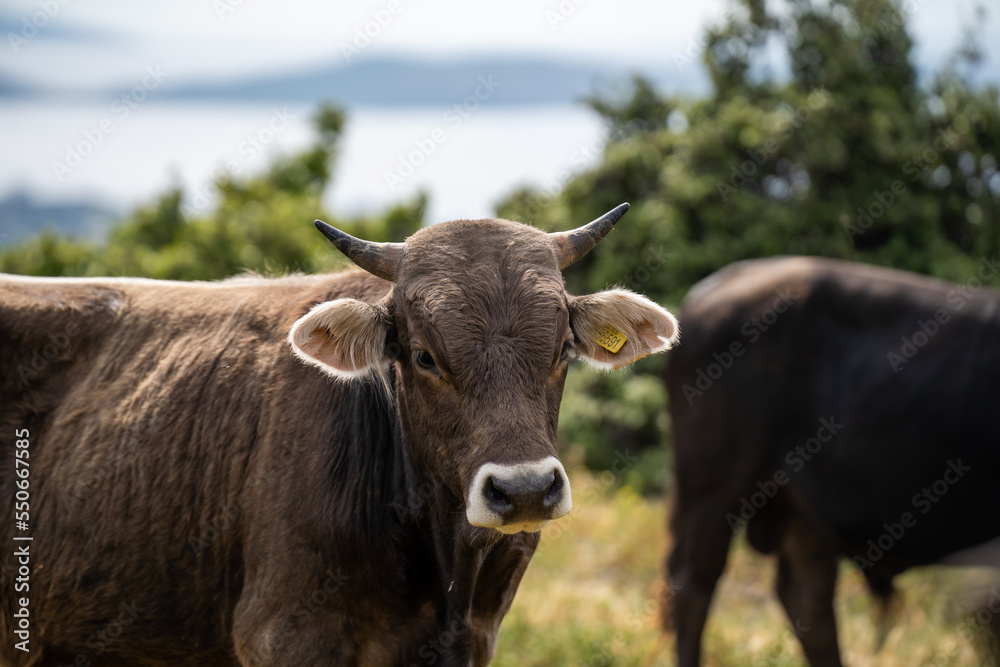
x=349, y=284
x=46, y=327
x=31, y=306
x=742, y=289
x=60, y=312
x=47, y=323
x=747, y=287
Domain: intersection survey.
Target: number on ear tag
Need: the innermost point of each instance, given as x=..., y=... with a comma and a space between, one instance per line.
x=611, y=339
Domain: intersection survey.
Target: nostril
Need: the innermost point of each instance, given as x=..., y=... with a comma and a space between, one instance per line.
x=553, y=495
x=497, y=499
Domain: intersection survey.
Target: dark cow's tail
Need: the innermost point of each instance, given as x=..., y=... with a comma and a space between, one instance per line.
x=887, y=605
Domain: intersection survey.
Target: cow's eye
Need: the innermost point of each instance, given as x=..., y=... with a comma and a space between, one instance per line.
x=567, y=349
x=425, y=360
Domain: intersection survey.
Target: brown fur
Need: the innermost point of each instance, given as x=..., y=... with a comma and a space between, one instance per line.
x=184, y=460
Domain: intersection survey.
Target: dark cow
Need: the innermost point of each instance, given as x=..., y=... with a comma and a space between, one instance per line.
x=834, y=409
x=200, y=496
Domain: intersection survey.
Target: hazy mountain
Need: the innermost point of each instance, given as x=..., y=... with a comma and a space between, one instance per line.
x=396, y=82
x=12, y=87
x=21, y=216
x=402, y=82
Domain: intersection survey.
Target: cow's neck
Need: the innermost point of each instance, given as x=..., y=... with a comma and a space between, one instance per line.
x=458, y=556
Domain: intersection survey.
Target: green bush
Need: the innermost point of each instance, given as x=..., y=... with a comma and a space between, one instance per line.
x=260, y=224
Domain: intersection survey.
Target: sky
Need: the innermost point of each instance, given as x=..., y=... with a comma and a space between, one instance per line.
x=100, y=43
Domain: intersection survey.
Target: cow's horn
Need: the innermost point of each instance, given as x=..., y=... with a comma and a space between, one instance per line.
x=380, y=259
x=571, y=246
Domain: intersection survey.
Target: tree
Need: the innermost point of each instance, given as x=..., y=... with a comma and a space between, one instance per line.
x=845, y=155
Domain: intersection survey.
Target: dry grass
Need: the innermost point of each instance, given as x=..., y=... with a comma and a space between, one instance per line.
x=589, y=598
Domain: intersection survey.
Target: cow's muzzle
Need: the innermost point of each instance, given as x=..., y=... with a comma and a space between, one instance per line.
x=519, y=497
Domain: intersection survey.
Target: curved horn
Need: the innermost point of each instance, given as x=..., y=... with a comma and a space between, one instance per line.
x=380, y=259
x=571, y=246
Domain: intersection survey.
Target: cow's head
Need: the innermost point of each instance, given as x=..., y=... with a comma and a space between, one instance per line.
x=481, y=329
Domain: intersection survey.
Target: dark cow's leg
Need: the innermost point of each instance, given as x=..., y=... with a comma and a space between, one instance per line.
x=701, y=544
x=807, y=577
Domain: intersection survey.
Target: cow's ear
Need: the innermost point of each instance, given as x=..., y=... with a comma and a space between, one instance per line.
x=346, y=338
x=615, y=327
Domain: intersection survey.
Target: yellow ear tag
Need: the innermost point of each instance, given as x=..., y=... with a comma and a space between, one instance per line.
x=611, y=339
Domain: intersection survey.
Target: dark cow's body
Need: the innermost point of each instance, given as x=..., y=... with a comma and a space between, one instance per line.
x=200, y=496
x=834, y=406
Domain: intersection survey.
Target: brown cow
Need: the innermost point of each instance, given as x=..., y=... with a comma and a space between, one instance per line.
x=200, y=496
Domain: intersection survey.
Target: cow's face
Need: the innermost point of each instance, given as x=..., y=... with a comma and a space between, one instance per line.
x=481, y=331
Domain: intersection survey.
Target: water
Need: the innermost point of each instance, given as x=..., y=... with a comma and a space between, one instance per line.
x=123, y=157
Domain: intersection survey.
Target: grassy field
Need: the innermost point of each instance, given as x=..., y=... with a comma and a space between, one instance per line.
x=589, y=598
